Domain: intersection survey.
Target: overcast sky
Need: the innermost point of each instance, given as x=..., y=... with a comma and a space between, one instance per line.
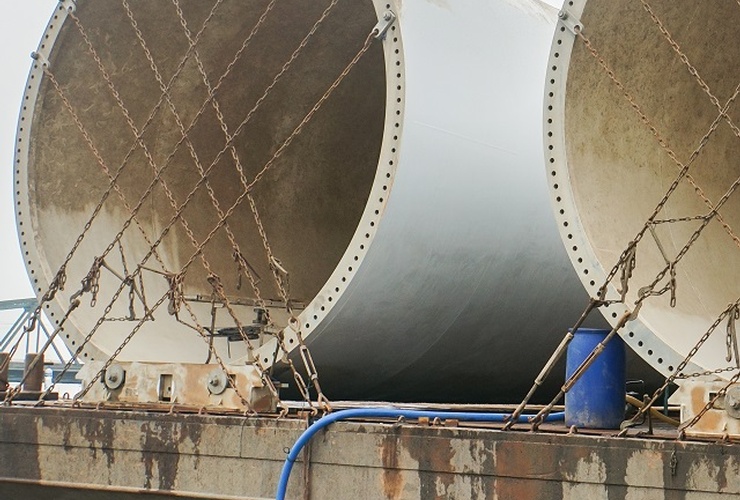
x=21, y=27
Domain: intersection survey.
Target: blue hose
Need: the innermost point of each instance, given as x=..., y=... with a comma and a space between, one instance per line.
x=384, y=413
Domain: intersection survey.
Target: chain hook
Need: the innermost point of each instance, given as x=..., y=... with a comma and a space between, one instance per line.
x=628, y=263
x=175, y=293
x=731, y=338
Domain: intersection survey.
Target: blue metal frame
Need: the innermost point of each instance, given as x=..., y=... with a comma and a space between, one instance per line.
x=18, y=329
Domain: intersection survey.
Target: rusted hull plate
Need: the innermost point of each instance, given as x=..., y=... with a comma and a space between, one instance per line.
x=189, y=456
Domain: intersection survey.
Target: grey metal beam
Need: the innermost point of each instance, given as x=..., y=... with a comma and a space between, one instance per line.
x=27, y=304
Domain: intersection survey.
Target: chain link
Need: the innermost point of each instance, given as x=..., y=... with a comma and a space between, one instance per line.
x=684, y=168
x=692, y=70
x=673, y=220
x=723, y=110
x=91, y=282
x=223, y=217
x=138, y=138
x=627, y=260
x=705, y=219
x=113, y=178
x=193, y=153
x=718, y=371
x=731, y=338
x=678, y=372
x=711, y=403
x=280, y=275
x=274, y=263
x=15, y=391
x=152, y=184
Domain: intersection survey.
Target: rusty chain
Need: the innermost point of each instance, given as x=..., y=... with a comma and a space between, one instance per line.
x=628, y=255
x=175, y=280
x=678, y=372
x=731, y=337
x=138, y=138
x=684, y=167
x=193, y=153
x=230, y=211
x=275, y=267
x=710, y=404
x=718, y=371
x=692, y=70
x=645, y=292
x=11, y=393
x=627, y=260
x=723, y=111
x=61, y=276
x=683, y=172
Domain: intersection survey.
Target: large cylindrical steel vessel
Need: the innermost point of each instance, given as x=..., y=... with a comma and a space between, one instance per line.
x=641, y=124
x=409, y=216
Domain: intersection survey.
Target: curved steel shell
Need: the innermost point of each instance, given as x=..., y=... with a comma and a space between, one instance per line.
x=410, y=214
x=630, y=112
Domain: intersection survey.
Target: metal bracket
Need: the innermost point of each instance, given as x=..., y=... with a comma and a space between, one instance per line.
x=572, y=23
x=40, y=58
x=218, y=382
x=69, y=5
x=732, y=401
x=114, y=377
x=384, y=23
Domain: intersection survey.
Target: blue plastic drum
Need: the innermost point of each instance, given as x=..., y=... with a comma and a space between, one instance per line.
x=596, y=401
